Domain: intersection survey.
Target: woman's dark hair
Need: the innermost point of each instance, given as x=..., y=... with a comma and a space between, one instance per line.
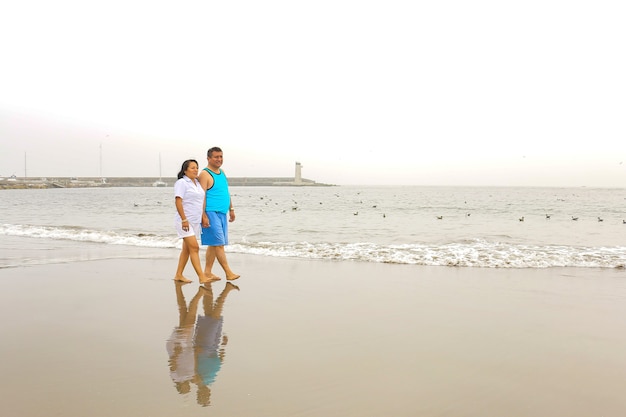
x=185, y=166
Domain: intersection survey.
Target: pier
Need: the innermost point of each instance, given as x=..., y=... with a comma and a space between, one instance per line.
x=84, y=182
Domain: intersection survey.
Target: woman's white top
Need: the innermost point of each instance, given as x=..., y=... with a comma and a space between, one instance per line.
x=192, y=195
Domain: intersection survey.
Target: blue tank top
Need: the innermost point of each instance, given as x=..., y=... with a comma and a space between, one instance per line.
x=218, y=196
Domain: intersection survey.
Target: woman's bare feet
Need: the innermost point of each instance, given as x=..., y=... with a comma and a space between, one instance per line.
x=182, y=279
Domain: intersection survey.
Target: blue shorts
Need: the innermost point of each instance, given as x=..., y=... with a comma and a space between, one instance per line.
x=217, y=232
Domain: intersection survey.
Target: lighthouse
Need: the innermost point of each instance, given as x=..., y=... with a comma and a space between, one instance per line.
x=298, y=177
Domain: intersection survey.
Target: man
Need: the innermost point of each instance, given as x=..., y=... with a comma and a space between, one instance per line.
x=218, y=205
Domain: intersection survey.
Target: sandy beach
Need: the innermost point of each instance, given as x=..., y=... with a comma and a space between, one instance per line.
x=315, y=338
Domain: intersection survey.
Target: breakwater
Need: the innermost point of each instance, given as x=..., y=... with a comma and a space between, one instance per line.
x=82, y=182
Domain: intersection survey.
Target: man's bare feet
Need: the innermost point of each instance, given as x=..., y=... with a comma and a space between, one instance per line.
x=232, y=277
x=210, y=278
x=182, y=279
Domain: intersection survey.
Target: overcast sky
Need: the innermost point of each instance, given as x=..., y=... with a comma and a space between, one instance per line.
x=360, y=92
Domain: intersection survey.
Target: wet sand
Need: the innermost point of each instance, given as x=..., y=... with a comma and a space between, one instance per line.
x=312, y=338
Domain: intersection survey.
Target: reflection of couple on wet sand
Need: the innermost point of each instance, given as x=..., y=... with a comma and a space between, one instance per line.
x=196, y=346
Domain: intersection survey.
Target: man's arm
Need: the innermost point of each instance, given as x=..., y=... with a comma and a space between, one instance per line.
x=206, y=182
x=231, y=212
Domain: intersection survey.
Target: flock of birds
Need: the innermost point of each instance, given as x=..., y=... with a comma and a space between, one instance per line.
x=574, y=218
x=439, y=217
x=521, y=219
x=548, y=217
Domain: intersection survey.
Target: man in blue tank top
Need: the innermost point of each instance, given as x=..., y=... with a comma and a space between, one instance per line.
x=218, y=205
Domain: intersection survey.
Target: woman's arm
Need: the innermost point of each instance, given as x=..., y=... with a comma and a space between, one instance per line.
x=181, y=213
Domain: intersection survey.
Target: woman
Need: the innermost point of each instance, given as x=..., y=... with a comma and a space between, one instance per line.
x=189, y=200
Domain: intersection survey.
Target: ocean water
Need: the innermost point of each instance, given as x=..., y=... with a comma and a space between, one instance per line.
x=437, y=226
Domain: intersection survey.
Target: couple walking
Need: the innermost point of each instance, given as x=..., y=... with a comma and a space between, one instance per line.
x=203, y=209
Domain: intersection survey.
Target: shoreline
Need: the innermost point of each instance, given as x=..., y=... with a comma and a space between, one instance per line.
x=317, y=338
